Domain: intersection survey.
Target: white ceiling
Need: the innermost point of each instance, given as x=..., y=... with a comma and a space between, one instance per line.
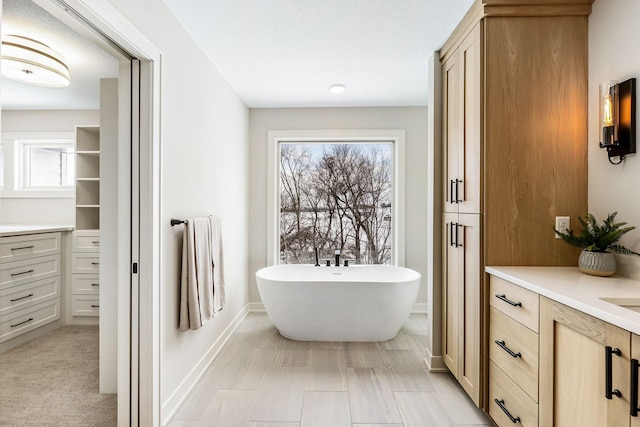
x=87, y=63
x=286, y=53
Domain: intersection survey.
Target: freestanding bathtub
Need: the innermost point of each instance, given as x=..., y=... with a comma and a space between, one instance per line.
x=355, y=303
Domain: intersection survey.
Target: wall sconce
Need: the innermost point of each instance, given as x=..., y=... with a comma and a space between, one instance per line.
x=618, y=118
x=29, y=61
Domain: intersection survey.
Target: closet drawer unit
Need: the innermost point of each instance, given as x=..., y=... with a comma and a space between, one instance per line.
x=16, y=248
x=514, y=348
x=86, y=241
x=85, y=284
x=85, y=263
x=85, y=305
x=508, y=403
x=24, y=320
x=19, y=297
x=29, y=270
x=516, y=302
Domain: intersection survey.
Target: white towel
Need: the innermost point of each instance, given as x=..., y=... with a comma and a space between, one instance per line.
x=202, y=283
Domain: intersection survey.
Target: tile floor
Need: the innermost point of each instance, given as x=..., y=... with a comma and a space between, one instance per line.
x=261, y=379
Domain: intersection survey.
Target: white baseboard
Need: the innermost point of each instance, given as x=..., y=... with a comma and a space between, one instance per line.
x=420, y=308
x=172, y=404
x=434, y=363
x=256, y=306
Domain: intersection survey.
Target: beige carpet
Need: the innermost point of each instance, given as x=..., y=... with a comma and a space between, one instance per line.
x=53, y=381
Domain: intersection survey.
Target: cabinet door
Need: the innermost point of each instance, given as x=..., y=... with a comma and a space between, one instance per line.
x=451, y=109
x=467, y=189
x=470, y=262
x=573, y=369
x=450, y=295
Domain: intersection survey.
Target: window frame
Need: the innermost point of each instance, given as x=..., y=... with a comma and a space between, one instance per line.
x=395, y=137
x=16, y=165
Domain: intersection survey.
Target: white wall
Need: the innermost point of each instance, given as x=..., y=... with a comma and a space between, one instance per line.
x=613, y=55
x=411, y=119
x=41, y=210
x=204, y=161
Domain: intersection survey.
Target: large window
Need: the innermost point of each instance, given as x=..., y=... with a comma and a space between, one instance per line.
x=337, y=192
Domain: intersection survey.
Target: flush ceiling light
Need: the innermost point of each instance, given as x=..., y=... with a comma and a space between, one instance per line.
x=338, y=88
x=29, y=61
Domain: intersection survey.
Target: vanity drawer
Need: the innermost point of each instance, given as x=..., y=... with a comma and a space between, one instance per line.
x=85, y=284
x=29, y=270
x=506, y=335
x=16, y=248
x=22, y=296
x=516, y=302
x=85, y=263
x=86, y=241
x=24, y=320
x=503, y=391
x=85, y=305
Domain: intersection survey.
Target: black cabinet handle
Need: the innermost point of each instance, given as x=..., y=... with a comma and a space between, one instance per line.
x=18, y=299
x=500, y=403
x=95, y=284
x=94, y=306
x=458, y=245
x=458, y=200
x=95, y=263
x=633, y=399
x=609, y=392
x=21, y=323
x=23, y=247
x=504, y=298
x=503, y=346
x=451, y=199
x=451, y=242
x=22, y=272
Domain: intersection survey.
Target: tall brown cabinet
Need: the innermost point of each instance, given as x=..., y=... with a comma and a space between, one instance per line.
x=514, y=157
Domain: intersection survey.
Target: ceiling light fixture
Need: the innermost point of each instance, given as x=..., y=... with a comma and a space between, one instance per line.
x=338, y=88
x=29, y=61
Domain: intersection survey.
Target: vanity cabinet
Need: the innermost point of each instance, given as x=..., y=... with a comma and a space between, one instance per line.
x=584, y=365
x=514, y=108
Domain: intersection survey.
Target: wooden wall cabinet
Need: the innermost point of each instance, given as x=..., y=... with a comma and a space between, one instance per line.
x=514, y=156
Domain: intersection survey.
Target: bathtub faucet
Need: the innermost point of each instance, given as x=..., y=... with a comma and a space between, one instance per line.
x=337, y=257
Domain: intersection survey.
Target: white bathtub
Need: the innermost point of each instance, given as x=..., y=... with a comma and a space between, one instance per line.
x=355, y=303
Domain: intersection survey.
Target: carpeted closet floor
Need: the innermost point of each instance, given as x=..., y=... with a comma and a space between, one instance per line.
x=53, y=381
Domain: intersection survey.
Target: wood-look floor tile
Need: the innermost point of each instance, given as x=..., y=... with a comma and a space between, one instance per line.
x=325, y=408
x=229, y=408
x=249, y=323
x=273, y=424
x=455, y=401
x=408, y=373
x=371, y=397
x=179, y=423
x=362, y=346
x=422, y=409
x=327, y=345
x=327, y=371
x=417, y=324
x=364, y=358
x=236, y=351
x=377, y=425
x=281, y=396
x=399, y=342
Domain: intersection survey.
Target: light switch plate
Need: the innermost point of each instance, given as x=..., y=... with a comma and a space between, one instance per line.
x=563, y=223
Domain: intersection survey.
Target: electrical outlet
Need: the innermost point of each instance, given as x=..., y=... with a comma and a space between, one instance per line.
x=563, y=223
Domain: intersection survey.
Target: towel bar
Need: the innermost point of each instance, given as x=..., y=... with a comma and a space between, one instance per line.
x=177, y=221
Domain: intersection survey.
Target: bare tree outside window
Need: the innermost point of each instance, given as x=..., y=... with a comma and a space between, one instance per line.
x=336, y=196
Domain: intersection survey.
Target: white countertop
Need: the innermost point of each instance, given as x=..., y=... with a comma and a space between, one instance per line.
x=567, y=285
x=18, y=229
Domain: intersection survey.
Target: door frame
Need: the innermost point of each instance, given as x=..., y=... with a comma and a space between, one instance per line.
x=138, y=293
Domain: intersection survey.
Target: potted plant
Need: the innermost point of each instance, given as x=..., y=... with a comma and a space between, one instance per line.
x=598, y=242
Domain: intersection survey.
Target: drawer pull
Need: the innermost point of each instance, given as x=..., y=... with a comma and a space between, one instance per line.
x=95, y=242
x=22, y=323
x=95, y=284
x=23, y=247
x=500, y=403
x=18, y=299
x=504, y=298
x=22, y=272
x=503, y=346
x=609, y=392
x=95, y=263
x=95, y=306
x=634, y=387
